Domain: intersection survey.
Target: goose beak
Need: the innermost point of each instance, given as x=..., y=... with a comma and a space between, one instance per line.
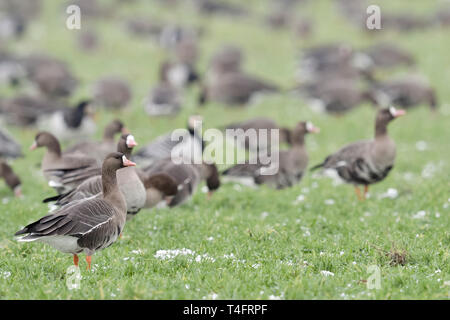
x=314, y=130
x=399, y=113
x=131, y=142
x=128, y=163
x=18, y=192
x=33, y=146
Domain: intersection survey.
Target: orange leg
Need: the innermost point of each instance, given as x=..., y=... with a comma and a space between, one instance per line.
x=120, y=236
x=366, y=190
x=75, y=260
x=88, y=260
x=358, y=194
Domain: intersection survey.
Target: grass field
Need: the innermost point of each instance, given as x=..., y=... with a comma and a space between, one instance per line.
x=246, y=243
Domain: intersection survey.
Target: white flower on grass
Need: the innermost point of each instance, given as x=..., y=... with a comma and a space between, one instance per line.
x=264, y=215
x=205, y=189
x=354, y=263
x=438, y=271
x=256, y=265
x=305, y=190
x=214, y=296
x=210, y=238
x=421, y=145
x=327, y=273
x=391, y=193
x=408, y=176
x=321, y=253
x=237, y=187
x=341, y=253
x=136, y=251
x=419, y=215
x=126, y=258
x=5, y=274
x=272, y=297
x=299, y=199
x=171, y=254
x=329, y=202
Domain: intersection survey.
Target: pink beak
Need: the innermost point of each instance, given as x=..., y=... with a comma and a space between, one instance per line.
x=18, y=192
x=314, y=130
x=399, y=113
x=128, y=163
x=33, y=146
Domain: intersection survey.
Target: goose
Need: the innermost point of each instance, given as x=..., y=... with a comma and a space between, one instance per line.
x=387, y=55
x=70, y=124
x=11, y=179
x=130, y=183
x=187, y=177
x=112, y=92
x=99, y=150
x=11, y=70
x=291, y=165
x=210, y=7
x=369, y=161
x=187, y=144
x=257, y=124
x=87, y=225
x=177, y=74
x=88, y=41
x=9, y=148
x=406, y=92
x=163, y=100
x=228, y=58
x=159, y=187
x=63, y=172
x=234, y=88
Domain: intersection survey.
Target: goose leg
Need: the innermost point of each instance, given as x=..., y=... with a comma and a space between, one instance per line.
x=88, y=260
x=75, y=260
x=366, y=190
x=358, y=194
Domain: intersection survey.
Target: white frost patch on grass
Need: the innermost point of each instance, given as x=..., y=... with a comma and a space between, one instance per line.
x=419, y=215
x=391, y=193
x=327, y=273
x=421, y=145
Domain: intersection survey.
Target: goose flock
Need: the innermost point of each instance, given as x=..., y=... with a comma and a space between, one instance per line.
x=99, y=186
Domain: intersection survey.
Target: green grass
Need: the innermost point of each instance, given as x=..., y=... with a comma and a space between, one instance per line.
x=280, y=247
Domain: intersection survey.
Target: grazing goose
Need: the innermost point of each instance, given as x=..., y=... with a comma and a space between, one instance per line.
x=63, y=172
x=9, y=148
x=234, y=88
x=112, y=93
x=130, y=183
x=177, y=74
x=163, y=100
x=70, y=124
x=88, y=40
x=291, y=164
x=366, y=162
x=11, y=179
x=187, y=177
x=386, y=55
x=257, y=124
x=99, y=150
x=406, y=92
x=159, y=187
x=229, y=58
x=87, y=225
x=185, y=143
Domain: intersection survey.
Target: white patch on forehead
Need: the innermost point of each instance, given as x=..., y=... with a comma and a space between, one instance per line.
x=309, y=126
x=130, y=139
x=393, y=111
x=124, y=159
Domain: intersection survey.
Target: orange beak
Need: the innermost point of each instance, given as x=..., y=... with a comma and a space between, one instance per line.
x=127, y=163
x=399, y=113
x=33, y=146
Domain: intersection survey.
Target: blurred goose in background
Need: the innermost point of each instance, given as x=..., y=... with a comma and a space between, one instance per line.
x=214, y=7
x=177, y=74
x=143, y=27
x=51, y=76
x=228, y=58
x=15, y=16
x=129, y=181
x=9, y=148
x=11, y=179
x=186, y=143
x=70, y=124
x=291, y=165
x=369, y=161
x=388, y=55
x=187, y=177
x=406, y=92
x=163, y=100
x=99, y=150
x=112, y=92
x=88, y=40
x=11, y=70
x=63, y=172
x=159, y=187
x=257, y=124
x=87, y=225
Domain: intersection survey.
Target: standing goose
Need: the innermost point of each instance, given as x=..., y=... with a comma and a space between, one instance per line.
x=291, y=165
x=130, y=183
x=70, y=123
x=187, y=177
x=87, y=225
x=63, y=172
x=163, y=100
x=185, y=143
x=11, y=179
x=366, y=162
x=159, y=187
x=112, y=92
x=9, y=148
x=99, y=150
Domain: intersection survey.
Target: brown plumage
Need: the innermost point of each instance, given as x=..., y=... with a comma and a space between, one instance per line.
x=112, y=92
x=87, y=225
x=11, y=179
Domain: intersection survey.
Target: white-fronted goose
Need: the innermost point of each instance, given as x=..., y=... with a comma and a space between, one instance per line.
x=9, y=148
x=257, y=124
x=366, y=162
x=189, y=145
x=99, y=150
x=187, y=177
x=387, y=55
x=63, y=172
x=112, y=92
x=88, y=40
x=234, y=88
x=130, y=183
x=291, y=165
x=177, y=74
x=159, y=187
x=70, y=124
x=11, y=70
x=11, y=179
x=228, y=58
x=406, y=92
x=87, y=225
x=163, y=100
